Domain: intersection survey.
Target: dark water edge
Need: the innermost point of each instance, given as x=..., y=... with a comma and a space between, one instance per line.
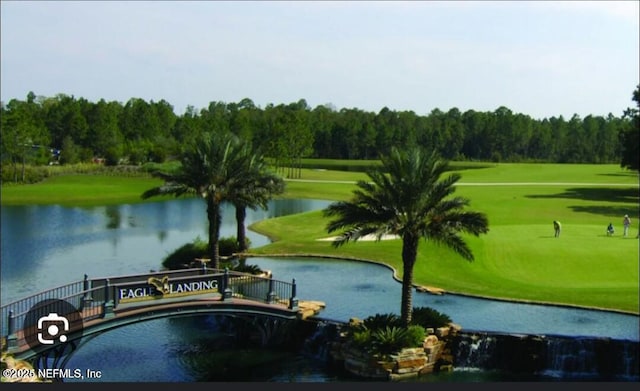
x=196, y=352
x=49, y=246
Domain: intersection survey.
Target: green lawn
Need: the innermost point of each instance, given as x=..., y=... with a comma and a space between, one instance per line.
x=80, y=190
x=519, y=258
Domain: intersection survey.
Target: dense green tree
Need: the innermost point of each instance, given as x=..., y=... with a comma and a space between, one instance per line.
x=453, y=133
x=473, y=124
x=70, y=153
x=187, y=126
x=406, y=123
x=298, y=137
x=103, y=124
x=407, y=196
x=540, y=142
x=286, y=136
x=23, y=136
x=215, y=118
x=385, y=122
x=630, y=137
x=143, y=131
x=559, y=134
x=321, y=121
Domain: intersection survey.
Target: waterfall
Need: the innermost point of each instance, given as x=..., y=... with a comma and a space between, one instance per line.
x=475, y=352
x=548, y=357
x=592, y=358
x=318, y=344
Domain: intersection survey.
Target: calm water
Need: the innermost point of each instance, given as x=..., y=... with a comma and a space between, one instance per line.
x=46, y=246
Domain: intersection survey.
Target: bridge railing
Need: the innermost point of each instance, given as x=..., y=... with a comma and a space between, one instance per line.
x=262, y=289
x=19, y=309
x=94, y=298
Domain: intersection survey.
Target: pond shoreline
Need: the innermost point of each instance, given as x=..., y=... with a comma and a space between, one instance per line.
x=395, y=277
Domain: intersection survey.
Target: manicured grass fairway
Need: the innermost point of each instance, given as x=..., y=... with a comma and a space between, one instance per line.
x=80, y=190
x=519, y=258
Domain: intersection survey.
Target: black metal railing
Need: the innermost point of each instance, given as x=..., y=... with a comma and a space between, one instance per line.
x=98, y=297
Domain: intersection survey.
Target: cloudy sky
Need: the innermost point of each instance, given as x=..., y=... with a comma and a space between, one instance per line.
x=542, y=59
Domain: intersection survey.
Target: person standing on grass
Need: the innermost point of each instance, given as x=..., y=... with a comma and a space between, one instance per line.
x=557, y=228
x=626, y=222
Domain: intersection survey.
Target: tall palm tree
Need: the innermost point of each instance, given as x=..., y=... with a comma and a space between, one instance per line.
x=214, y=167
x=260, y=185
x=407, y=197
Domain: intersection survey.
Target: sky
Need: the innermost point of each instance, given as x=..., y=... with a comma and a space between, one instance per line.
x=543, y=59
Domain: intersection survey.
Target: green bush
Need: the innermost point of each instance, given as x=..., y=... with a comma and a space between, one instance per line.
x=429, y=318
x=384, y=333
x=182, y=257
x=227, y=246
x=361, y=339
x=32, y=174
x=388, y=340
x=380, y=321
x=244, y=268
x=415, y=336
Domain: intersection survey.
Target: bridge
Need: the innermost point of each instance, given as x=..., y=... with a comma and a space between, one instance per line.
x=82, y=309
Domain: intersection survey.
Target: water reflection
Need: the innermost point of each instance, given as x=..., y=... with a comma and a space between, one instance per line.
x=371, y=290
x=47, y=246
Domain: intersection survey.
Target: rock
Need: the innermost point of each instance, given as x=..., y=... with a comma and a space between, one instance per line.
x=430, y=289
x=430, y=341
x=442, y=332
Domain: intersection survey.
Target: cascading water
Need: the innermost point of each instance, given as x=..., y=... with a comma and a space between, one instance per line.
x=590, y=358
x=550, y=357
x=318, y=344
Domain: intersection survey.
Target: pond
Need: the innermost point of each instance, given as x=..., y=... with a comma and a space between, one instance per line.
x=47, y=246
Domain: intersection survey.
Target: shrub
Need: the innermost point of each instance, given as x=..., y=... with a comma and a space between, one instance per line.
x=13, y=173
x=384, y=333
x=388, y=340
x=242, y=267
x=361, y=339
x=429, y=318
x=415, y=336
x=380, y=321
x=184, y=255
x=227, y=246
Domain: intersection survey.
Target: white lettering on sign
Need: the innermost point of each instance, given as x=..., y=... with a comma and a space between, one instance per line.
x=179, y=288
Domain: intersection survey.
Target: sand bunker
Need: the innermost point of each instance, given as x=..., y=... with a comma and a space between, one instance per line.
x=366, y=237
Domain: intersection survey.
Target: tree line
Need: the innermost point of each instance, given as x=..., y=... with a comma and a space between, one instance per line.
x=64, y=130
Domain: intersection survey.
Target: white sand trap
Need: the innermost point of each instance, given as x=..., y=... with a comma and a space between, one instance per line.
x=369, y=237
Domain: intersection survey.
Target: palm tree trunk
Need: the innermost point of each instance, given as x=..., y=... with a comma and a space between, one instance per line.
x=215, y=220
x=409, y=254
x=241, y=234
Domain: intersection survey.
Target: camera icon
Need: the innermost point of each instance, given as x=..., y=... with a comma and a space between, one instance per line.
x=51, y=323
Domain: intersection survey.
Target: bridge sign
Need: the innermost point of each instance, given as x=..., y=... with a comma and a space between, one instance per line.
x=164, y=287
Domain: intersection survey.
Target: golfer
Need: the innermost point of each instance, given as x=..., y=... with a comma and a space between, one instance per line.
x=557, y=227
x=626, y=222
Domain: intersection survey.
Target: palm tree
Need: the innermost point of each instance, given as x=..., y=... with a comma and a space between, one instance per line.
x=214, y=168
x=260, y=187
x=407, y=197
